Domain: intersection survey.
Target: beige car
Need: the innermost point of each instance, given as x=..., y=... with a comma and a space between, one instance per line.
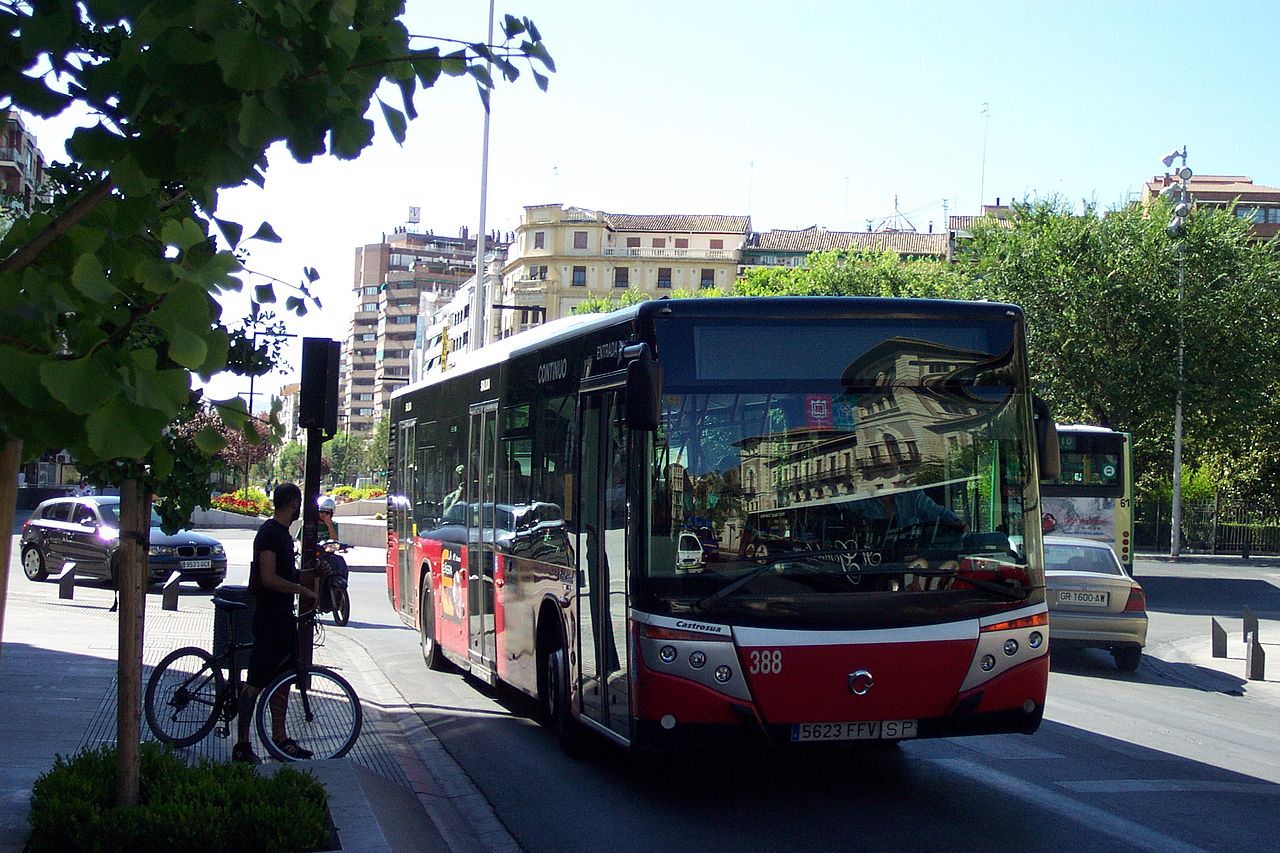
x=1093, y=603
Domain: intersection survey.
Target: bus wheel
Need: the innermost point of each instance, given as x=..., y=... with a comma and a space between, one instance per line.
x=431, y=654
x=556, y=702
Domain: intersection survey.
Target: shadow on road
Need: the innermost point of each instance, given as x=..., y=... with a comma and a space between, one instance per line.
x=1095, y=663
x=1221, y=597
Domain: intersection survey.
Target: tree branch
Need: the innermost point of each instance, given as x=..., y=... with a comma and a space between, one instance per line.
x=29, y=251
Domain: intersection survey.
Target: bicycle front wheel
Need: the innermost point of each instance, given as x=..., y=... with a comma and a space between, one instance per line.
x=181, y=699
x=322, y=713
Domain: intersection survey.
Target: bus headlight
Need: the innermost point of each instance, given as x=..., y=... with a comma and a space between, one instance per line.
x=1010, y=647
x=667, y=654
x=723, y=674
x=697, y=660
x=988, y=663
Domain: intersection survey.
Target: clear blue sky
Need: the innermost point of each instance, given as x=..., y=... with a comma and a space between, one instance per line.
x=798, y=113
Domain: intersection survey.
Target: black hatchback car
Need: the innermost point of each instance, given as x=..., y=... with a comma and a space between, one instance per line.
x=87, y=530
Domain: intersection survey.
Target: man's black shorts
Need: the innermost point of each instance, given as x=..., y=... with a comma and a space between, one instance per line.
x=275, y=650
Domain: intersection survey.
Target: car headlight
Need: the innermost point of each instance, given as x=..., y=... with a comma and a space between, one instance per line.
x=163, y=551
x=217, y=550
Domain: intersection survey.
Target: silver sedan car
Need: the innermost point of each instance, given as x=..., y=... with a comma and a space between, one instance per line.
x=1093, y=603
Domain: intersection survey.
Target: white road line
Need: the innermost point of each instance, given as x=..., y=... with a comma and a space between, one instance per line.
x=1134, y=835
x=1124, y=786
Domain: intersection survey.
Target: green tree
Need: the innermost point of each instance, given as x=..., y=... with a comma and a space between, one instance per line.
x=109, y=294
x=377, y=455
x=347, y=455
x=289, y=462
x=858, y=273
x=1101, y=297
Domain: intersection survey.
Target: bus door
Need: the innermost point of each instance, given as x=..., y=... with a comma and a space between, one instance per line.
x=482, y=515
x=402, y=512
x=602, y=559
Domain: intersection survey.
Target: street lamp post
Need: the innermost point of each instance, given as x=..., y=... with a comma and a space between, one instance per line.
x=1177, y=229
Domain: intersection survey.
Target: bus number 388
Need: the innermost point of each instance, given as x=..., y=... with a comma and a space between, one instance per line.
x=766, y=661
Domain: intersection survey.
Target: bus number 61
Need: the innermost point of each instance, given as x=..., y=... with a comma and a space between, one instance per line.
x=766, y=661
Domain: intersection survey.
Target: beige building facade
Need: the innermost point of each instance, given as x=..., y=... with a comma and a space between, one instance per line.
x=561, y=256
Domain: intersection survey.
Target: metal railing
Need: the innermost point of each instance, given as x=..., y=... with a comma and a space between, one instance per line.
x=637, y=252
x=1215, y=525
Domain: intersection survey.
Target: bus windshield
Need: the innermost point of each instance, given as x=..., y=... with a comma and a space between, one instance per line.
x=907, y=485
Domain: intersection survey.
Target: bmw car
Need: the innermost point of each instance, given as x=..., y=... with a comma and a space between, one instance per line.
x=87, y=530
x=1093, y=602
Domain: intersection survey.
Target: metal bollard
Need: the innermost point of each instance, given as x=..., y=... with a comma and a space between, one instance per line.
x=170, y=595
x=67, y=580
x=1250, y=623
x=1218, y=639
x=1255, y=660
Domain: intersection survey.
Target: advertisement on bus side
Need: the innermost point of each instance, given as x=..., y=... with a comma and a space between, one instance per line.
x=1085, y=518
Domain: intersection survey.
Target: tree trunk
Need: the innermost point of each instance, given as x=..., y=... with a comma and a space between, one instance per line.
x=131, y=583
x=10, y=460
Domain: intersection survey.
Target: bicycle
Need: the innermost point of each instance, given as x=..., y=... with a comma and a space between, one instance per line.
x=187, y=695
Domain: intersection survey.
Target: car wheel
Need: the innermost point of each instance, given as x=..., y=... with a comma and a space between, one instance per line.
x=208, y=584
x=1127, y=658
x=33, y=564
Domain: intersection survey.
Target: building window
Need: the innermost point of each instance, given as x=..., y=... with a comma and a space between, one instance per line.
x=682, y=242
x=579, y=239
x=579, y=276
x=369, y=306
x=664, y=276
x=539, y=239
x=659, y=242
x=633, y=242
x=372, y=290
x=1273, y=215
x=708, y=278
x=369, y=336
x=621, y=276
x=717, y=244
x=538, y=273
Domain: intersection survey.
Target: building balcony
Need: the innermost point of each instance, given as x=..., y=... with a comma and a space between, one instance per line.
x=696, y=254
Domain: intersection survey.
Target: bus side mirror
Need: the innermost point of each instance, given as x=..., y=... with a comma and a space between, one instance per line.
x=1046, y=441
x=644, y=395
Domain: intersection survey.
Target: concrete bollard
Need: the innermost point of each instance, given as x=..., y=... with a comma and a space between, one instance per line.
x=170, y=595
x=1255, y=660
x=1218, y=639
x=1250, y=623
x=67, y=580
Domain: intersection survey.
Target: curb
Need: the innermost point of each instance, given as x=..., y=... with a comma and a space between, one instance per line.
x=460, y=812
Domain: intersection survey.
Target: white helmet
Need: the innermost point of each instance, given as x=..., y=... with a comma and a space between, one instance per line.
x=325, y=504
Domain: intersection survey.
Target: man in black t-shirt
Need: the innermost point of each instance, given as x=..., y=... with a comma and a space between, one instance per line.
x=273, y=582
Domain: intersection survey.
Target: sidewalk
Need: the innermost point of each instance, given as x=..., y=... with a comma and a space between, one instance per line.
x=58, y=695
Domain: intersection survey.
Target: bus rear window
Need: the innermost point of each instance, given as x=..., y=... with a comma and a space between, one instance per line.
x=1090, y=461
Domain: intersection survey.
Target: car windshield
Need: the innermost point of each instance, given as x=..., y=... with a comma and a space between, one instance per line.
x=111, y=517
x=1096, y=559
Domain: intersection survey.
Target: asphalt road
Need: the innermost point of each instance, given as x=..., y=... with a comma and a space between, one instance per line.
x=1163, y=759
x=1178, y=756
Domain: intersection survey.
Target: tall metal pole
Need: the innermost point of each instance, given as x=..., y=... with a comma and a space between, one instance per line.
x=1175, y=536
x=479, y=295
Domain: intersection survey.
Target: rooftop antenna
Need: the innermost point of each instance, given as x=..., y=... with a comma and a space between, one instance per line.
x=986, y=125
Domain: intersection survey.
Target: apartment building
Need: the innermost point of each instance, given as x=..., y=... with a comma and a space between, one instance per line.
x=290, y=397
x=560, y=256
x=1254, y=202
x=394, y=281
x=22, y=165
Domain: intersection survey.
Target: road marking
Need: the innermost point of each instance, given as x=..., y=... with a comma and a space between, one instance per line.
x=1123, y=786
x=1133, y=835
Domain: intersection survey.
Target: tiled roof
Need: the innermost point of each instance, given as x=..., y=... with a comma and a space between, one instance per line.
x=679, y=222
x=1217, y=187
x=815, y=239
x=966, y=223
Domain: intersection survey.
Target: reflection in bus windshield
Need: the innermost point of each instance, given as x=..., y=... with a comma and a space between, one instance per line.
x=904, y=485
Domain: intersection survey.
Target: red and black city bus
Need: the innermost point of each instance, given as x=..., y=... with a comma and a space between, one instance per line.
x=867, y=469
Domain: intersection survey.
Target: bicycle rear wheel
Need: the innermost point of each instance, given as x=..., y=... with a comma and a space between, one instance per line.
x=182, y=696
x=324, y=719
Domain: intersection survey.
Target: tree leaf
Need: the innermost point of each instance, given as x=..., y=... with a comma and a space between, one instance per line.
x=187, y=348
x=395, y=121
x=121, y=430
x=88, y=278
x=266, y=234
x=210, y=440
x=264, y=294
x=79, y=384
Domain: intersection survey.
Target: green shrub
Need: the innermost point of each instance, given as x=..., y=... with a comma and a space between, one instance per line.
x=341, y=493
x=208, y=807
x=245, y=502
